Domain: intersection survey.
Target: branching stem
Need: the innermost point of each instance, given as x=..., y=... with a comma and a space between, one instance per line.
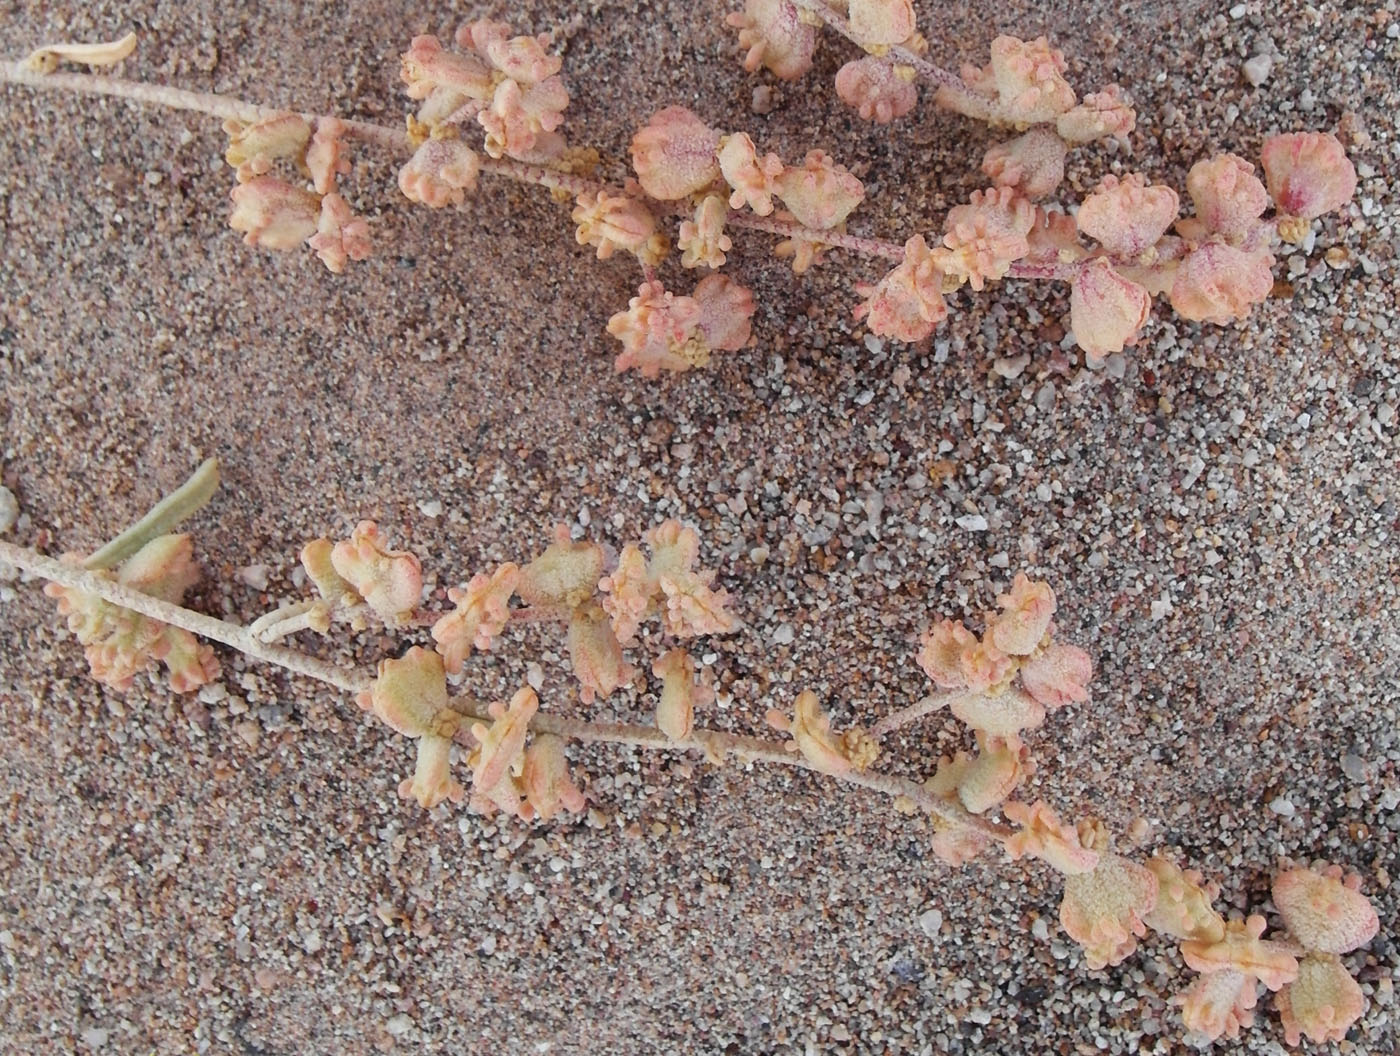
x=397, y=140
x=713, y=743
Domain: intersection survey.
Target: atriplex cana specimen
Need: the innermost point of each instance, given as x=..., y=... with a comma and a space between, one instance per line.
x=1002, y=685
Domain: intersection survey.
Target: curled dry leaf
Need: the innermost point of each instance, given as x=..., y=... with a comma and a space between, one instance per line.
x=596, y=654
x=47, y=58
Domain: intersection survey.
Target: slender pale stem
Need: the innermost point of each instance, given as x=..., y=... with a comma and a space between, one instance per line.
x=870, y=247
x=234, y=635
x=712, y=743
x=913, y=713
x=397, y=140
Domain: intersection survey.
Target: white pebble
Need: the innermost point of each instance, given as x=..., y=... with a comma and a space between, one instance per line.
x=931, y=922
x=784, y=634
x=254, y=576
x=431, y=508
x=972, y=522
x=1257, y=69
x=1282, y=807
x=9, y=509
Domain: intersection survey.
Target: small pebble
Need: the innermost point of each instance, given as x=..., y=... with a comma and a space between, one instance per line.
x=9, y=509
x=930, y=922
x=1354, y=767
x=1257, y=69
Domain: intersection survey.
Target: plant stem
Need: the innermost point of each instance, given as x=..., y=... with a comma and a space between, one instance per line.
x=234, y=635
x=712, y=743
x=397, y=140
x=870, y=247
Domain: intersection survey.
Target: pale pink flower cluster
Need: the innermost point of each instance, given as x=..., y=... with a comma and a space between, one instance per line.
x=876, y=89
x=1105, y=114
x=819, y=193
x=1032, y=164
x=1128, y=215
x=1326, y=912
x=441, y=172
x=983, y=238
x=509, y=84
x=275, y=214
x=667, y=585
x=702, y=240
x=1308, y=173
x=1221, y=1002
x=980, y=673
x=908, y=302
x=674, y=154
x=389, y=581
x=1022, y=85
x=663, y=331
x=481, y=612
x=519, y=781
x=119, y=644
x=570, y=583
x=753, y=179
x=774, y=34
x=612, y=222
x=1107, y=311
x=880, y=23
x=340, y=236
x=409, y=695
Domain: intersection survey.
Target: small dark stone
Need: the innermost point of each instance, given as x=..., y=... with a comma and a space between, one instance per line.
x=1031, y=996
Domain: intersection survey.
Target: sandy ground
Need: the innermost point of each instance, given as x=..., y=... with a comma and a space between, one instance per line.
x=1217, y=512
